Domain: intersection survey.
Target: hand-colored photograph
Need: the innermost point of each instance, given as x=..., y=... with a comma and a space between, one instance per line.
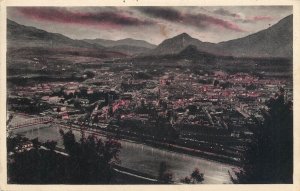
x=118, y=95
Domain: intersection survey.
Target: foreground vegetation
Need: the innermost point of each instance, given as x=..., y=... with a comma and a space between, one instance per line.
x=88, y=161
x=269, y=156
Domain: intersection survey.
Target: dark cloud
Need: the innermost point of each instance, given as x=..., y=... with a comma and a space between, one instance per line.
x=106, y=19
x=197, y=20
x=162, y=12
x=205, y=20
x=225, y=12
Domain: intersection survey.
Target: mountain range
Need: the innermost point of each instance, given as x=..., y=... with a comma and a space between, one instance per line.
x=122, y=42
x=127, y=46
x=19, y=36
x=275, y=41
x=25, y=36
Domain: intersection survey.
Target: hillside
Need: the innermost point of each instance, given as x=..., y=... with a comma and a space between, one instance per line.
x=25, y=36
x=178, y=43
x=275, y=41
x=122, y=42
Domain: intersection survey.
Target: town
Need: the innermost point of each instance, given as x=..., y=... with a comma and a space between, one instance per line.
x=204, y=114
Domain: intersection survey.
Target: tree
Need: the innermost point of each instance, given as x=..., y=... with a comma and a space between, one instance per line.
x=50, y=145
x=68, y=140
x=195, y=178
x=33, y=165
x=36, y=143
x=91, y=159
x=167, y=178
x=164, y=175
x=162, y=169
x=186, y=180
x=14, y=142
x=269, y=155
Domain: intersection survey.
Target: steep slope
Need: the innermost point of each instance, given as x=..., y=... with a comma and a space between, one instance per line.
x=276, y=41
x=25, y=36
x=180, y=42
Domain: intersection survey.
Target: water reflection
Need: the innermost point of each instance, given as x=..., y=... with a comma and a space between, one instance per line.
x=146, y=159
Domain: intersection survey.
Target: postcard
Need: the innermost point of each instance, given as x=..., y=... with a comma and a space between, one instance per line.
x=136, y=94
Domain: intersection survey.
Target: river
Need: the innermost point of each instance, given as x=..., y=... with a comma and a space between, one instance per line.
x=145, y=158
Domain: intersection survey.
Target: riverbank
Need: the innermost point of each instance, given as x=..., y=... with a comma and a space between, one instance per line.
x=141, y=157
x=122, y=175
x=163, y=146
x=154, y=143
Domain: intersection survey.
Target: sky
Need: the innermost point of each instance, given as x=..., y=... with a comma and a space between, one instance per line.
x=153, y=24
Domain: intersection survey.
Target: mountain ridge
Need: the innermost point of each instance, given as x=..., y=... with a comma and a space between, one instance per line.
x=121, y=42
x=26, y=36
x=275, y=41
x=177, y=43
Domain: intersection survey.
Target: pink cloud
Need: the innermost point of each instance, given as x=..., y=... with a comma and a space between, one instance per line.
x=260, y=18
x=101, y=19
x=201, y=19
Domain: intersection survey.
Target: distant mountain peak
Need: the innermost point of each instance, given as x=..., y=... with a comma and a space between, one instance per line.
x=177, y=43
x=184, y=35
x=275, y=41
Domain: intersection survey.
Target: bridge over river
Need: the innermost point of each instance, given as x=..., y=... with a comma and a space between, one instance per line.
x=27, y=122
